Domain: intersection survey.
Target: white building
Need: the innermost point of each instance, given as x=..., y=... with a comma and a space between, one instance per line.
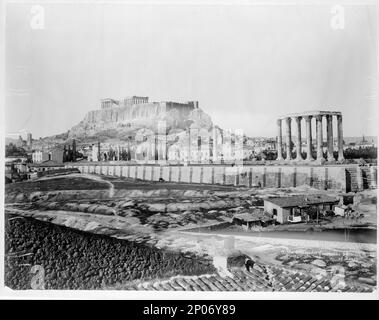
x=40, y=156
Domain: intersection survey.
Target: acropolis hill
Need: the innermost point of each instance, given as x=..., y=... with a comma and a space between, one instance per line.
x=118, y=118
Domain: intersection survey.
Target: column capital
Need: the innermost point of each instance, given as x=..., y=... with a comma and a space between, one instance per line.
x=307, y=118
x=279, y=122
x=288, y=120
x=297, y=119
x=319, y=117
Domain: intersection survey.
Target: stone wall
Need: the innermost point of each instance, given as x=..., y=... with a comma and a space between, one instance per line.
x=340, y=177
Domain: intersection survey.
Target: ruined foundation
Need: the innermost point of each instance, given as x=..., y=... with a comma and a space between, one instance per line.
x=345, y=178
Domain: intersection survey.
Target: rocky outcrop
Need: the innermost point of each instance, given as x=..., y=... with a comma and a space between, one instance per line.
x=128, y=119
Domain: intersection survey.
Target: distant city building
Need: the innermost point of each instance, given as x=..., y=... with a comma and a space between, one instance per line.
x=362, y=144
x=40, y=156
x=262, y=144
x=20, y=143
x=15, y=170
x=29, y=140
x=57, y=155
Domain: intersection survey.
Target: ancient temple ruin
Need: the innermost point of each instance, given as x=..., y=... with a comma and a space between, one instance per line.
x=308, y=116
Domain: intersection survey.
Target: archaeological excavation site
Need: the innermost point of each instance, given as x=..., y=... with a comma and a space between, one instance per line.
x=178, y=150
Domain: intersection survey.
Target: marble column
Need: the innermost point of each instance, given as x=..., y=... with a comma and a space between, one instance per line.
x=329, y=133
x=288, y=138
x=214, y=151
x=308, y=123
x=189, y=147
x=298, y=139
x=340, y=138
x=199, y=142
x=373, y=173
x=280, y=140
x=210, y=149
x=319, y=137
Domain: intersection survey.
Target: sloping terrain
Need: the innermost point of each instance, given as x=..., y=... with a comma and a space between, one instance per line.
x=72, y=259
x=86, y=213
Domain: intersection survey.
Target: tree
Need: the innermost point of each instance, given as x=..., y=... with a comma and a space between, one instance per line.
x=365, y=153
x=111, y=154
x=312, y=212
x=124, y=155
x=269, y=154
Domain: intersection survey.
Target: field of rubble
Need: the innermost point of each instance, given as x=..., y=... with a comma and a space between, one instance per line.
x=151, y=219
x=73, y=259
x=149, y=207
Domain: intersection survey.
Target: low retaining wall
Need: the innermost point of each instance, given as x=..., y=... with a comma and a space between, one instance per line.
x=341, y=177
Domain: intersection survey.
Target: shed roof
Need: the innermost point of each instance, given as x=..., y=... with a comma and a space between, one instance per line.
x=47, y=163
x=301, y=201
x=254, y=216
x=344, y=207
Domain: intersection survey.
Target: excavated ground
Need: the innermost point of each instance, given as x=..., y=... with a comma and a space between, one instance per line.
x=156, y=217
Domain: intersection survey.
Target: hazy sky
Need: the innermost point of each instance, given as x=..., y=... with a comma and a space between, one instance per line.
x=246, y=65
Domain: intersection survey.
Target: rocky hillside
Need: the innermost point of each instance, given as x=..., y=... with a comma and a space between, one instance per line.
x=123, y=122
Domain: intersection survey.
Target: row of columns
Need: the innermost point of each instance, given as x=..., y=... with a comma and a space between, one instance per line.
x=107, y=103
x=308, y=130
x=138, y=100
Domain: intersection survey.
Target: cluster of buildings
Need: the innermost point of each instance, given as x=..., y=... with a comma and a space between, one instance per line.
x=192, y=145
x=361, y=144
x=259, y=145
x=25, y=144
x=299, y=208
x=200, y=145
x=56, y=154
x=37, y=162
x=291, y=209
x=218, y=146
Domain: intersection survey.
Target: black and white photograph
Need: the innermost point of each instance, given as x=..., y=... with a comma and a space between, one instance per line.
x=189, y=149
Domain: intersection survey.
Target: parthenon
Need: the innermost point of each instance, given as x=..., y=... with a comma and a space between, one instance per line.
x=308, y=116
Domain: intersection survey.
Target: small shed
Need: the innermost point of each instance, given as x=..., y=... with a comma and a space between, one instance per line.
x=46, y=165
x=295, y=208
x=249, y=220
x=347, y=198
x=341, y=210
